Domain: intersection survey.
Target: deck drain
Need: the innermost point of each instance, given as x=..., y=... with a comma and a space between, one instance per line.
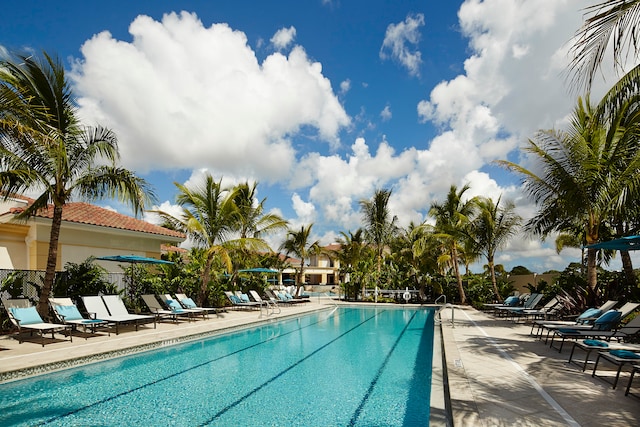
x=457, y=363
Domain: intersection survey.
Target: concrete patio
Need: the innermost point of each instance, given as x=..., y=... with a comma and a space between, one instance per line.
x=499, y=375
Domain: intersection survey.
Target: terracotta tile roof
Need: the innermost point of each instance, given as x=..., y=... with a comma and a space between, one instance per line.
x=85, y=213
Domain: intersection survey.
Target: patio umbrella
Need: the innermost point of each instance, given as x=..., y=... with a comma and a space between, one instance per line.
x=628, y=243
x=258, y=270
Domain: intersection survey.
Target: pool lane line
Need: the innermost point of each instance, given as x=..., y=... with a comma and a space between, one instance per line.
x=546, y=396
x=281, y=373
x=374, y=381
x=175, y=374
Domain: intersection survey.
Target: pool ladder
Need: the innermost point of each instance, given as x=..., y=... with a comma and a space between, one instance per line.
x=443, y=306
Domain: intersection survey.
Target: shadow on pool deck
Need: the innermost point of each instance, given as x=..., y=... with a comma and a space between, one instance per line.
x=499, y=375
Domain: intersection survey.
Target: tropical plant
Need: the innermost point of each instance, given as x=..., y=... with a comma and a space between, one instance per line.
x=85, y=278
x=251, y=219
x=297, y=243
x=588, y=173
x=491, y=230
x=45, y=148
x=607, y=20
x=452, y=219
x=379, y=225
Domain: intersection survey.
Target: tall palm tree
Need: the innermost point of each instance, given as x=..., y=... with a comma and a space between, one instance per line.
x=45, y=148
x=297, y=243
x=207, y=218
x=452, y=219
x=251, y=218
x=588, y=173
x=611, y=19
x=491, y=229
x=379, y=225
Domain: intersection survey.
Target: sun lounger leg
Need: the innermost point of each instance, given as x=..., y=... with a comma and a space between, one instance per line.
x=635, y=369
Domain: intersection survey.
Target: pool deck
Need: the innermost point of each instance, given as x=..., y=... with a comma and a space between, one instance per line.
x=498, y=374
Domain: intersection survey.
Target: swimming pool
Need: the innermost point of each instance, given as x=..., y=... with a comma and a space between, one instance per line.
x=346, y=367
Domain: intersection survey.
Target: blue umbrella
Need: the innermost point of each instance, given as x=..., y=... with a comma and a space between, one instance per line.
x=258, y=270
x=628, y=243
x=134, y=259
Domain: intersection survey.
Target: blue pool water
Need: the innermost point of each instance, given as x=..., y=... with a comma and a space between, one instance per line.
x=347, y=367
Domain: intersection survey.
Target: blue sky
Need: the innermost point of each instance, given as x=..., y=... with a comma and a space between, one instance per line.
x=321, y=101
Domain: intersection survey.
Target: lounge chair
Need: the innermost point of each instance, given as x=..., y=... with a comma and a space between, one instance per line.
x=606, y=326
x=620, y=358
x=26, y=318
x=510, y=301
x=270, y=305
x=530, y=304
x=586, y=317
x=189, y=304
x=551, y=309
x=624, y=332
x=156, y=308
x=67, y=313
x=112, y=309
x=286, y=298
x=237, y=302
x=589, y=346
x=636, y=368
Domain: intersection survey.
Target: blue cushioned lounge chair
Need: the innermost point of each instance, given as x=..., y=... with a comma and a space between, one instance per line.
x=67, y=313
x=26, y=318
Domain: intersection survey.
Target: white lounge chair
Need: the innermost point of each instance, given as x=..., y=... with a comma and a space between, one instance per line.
x=185, y=303
x=270, y=305
x=26, y=318
x=112, y=309
x=237, y=302
x=156, y=308
x=67, y=313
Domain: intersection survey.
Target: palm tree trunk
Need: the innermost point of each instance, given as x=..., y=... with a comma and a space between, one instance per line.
x=301, y=277
x=52, y=256
x=627, y=267
x=456, y=269
x=206, y=277
x=592, y=274
x=494, y=282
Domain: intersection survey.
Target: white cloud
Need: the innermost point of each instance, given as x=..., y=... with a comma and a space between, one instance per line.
x=181, y=95
x=345, y=86
x=283, y=37
x=386, y=114
x=398, y=37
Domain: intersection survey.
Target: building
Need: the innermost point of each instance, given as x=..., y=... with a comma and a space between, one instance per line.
x=87, y=230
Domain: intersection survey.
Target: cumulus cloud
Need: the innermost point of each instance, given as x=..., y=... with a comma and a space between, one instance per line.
x=181, y=95
x=283, y=37
x=400, y=42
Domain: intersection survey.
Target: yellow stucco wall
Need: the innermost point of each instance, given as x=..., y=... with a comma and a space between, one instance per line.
x=28, y=246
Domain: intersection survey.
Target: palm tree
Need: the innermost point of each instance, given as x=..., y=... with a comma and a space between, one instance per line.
x=352, y=250
x=491, y=229
x=297, y=243
x=207, y=218
x=615, y=19
x=380, y=226
x=45, y=148
x=589, y=173
x=452, y=219
x=252, y=220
